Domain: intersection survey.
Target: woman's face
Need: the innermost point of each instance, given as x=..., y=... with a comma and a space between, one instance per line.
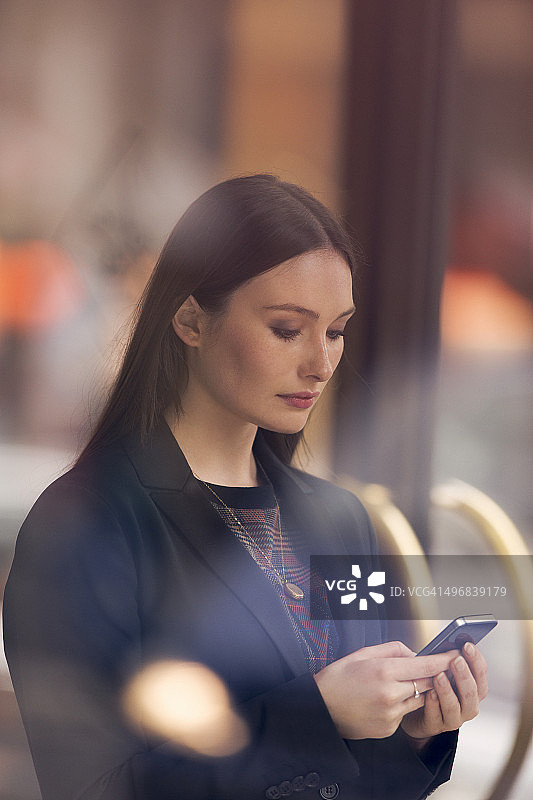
x=267, y=358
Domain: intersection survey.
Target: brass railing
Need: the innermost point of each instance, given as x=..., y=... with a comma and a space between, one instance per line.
x=499, y=533
x=504, y=539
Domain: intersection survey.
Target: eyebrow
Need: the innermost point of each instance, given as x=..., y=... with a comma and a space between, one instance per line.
x=305, y=311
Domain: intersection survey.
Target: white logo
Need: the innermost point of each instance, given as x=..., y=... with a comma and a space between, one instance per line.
x=374, y=579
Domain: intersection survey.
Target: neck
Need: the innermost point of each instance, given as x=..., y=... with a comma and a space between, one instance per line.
x=215, y=453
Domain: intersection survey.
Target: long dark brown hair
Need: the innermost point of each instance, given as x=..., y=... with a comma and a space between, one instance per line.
x=231, y=233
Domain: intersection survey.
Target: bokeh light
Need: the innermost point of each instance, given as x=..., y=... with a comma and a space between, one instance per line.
x=187, y=704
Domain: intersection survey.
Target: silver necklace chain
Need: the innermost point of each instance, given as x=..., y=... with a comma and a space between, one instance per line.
x=294, y=592
x=290, y=589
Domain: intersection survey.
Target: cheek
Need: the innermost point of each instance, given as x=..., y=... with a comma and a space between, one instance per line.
x=240, y=360
x=336, y=357
x=252, y=360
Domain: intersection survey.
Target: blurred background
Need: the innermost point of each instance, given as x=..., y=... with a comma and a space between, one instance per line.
x=410, y=118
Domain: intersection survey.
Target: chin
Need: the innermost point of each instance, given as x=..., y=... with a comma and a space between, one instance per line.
x=284, y=423
x=284, y=429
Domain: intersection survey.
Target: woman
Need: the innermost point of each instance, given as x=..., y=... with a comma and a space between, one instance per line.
x=182, y=534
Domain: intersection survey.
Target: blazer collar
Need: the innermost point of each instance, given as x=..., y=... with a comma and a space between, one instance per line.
x=158, y=460
x=160, y=464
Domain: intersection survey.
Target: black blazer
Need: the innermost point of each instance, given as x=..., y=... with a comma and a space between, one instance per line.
x=123, y=561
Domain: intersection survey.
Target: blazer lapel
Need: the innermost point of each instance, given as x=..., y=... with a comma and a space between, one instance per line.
x=162, y=468
x=194, y=518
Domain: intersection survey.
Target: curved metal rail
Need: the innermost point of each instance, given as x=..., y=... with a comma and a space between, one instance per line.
x=397, y=537
x=504, y=539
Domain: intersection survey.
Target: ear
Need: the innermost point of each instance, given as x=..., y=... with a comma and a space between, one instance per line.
x=187, y=321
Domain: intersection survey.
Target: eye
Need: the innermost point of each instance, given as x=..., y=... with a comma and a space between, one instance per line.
x=286, y=333
x=335, y=335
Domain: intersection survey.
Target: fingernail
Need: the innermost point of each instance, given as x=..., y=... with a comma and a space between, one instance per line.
x=460, y=664
x=469, y=649
x=441, y=679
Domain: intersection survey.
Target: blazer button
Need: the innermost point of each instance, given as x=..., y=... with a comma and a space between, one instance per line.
x=298, y=783
x=312, y=779
x=330, y=792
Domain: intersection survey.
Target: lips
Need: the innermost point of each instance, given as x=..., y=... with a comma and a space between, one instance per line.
x=300, y=399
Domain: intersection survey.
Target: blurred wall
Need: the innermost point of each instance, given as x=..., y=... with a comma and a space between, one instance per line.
x=110, y=126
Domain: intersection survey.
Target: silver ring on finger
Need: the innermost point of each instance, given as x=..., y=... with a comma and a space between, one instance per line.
x=416, y=693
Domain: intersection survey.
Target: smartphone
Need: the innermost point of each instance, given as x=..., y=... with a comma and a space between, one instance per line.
x=457, y=633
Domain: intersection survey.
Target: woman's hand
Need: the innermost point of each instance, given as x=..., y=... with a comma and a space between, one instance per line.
x=445, y=709
x=369, y=692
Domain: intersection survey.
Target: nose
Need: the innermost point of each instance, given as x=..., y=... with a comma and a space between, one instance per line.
x=318, y=364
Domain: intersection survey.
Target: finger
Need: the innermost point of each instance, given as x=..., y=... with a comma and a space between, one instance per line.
x=432, y=712
x=409, y=688
x=478, y=668
x=412, y=704
x=466, y=688
x=450, y=707
x=423, y=666
x=385, y=650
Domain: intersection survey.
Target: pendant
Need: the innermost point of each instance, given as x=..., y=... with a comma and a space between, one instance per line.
x=291, y=590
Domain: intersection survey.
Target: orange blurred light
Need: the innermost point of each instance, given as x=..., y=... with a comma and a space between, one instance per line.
x=480, y=312
x=38, y=285
x=187, y=704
